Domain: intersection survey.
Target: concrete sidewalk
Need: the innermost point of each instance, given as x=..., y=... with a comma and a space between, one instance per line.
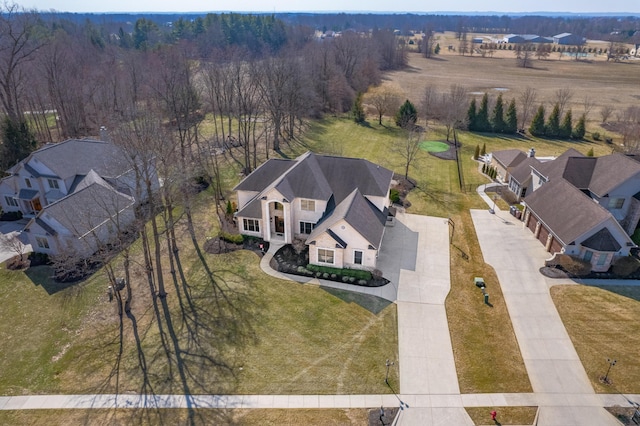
x=552, y=363
x=414, y=402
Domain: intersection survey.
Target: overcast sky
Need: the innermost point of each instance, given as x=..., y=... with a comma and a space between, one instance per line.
x=397, y=6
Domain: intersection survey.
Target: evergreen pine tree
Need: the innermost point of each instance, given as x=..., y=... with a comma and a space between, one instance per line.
x=484, y=168
x=579, y=130
x=512, y=118
x=537, y=124
x=406, y=115
x=590, y=153
x=497, y=120
x=552, y=129
x=17, y=142
x=471, y=116
x=567, y=127
x=357, y=110
x=482, y=118
x=476, y=153
x=483, y=151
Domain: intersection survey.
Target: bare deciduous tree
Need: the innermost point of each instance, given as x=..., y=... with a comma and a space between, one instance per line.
x=528, y=99
x=409, y=147
x=11, y=243
x=385, y=99
x=524, y=55
x=563, y=97
x=606, y=112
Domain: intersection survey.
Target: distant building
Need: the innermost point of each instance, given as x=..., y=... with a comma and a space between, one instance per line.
x=569, y=39
x=525, y=38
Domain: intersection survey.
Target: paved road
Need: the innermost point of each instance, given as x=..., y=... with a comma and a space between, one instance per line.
x=549, y=356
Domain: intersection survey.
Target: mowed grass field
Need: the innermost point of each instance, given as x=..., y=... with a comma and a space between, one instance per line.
x=235, y=330
x=603, y=83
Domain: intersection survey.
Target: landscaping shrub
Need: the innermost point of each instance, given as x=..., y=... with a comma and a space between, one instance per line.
x=11, y=216
x=37, y=259
x=572, y=264
x=626, y=266
x=394, y=196
x=232, y=238
x=596, y=136
x=352, y=273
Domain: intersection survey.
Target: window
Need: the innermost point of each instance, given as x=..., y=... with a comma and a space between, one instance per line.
x=588, y=255
x=325, y=256
x=306, y=227
x=53, y=184
x=251, y=225
x=12, y=202
x=27, y=182
x=616, y=203
x=42, y=242
x=602, y=259
x=308, y=205
x=277, y=206
x=357, y=257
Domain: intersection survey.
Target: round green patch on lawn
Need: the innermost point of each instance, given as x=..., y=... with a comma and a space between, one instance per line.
x=434, y=146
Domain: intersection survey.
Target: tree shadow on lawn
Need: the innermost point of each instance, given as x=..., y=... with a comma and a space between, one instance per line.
x=630, y=291
x=43, y=276
x=373, y=304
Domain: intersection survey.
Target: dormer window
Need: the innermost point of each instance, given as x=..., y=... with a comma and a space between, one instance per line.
x=616, y=203
x=53, y=184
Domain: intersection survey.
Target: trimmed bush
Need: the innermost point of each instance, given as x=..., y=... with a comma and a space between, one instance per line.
x=232, y=238
x=573, y=265
x=353, y=273
x=394, y=196
x=626, y=266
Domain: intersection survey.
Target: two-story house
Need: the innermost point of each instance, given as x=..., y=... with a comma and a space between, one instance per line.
x=76, y=193
x=338, y=205
x=583, y=206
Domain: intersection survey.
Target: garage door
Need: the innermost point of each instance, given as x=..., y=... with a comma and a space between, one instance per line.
x=544, y=233
x=532, y=223
x=556, y=246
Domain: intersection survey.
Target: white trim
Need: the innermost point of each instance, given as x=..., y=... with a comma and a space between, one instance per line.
x=333, y=256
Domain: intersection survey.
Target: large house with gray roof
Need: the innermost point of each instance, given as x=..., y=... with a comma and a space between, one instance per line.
x=338, y=205
x=77, y=195
x=582, y=206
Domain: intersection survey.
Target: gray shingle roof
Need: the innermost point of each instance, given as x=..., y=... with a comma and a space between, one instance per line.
x=358, y=212
x=579, y=170
x=27, y=194
x=566, y=210
x=88, y=207
x=555, y=169
x=522, y=172
x=264, y=175
x=78, y=156
x=602, y=241
x=253, y=209
x=611, y=171
x=509, y=157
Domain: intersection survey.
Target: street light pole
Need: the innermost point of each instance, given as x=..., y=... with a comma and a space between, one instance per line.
x=611, y=362
x=388, y=364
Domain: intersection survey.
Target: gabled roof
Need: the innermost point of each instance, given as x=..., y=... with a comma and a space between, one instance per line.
x=265, y=174
x=77, y=156
x=88, y=208
x=522, y=172
x=509, y=157
x=358, y=212
x=566, y=210
x=579, y=170
x=555, y=168
x=602, y=241
x=611, y=171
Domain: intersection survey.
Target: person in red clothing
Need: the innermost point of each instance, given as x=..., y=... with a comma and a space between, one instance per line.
x=493, y=415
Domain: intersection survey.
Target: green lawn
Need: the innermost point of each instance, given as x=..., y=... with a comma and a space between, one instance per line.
x=240, y=331
x=604, y=323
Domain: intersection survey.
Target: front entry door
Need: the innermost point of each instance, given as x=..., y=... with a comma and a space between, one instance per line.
x=36, y=204
x=279, y=225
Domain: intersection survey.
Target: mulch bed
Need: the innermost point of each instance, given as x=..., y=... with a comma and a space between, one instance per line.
x=288, y=261
x=450, y=154
x=217, y=245
x=403, y=186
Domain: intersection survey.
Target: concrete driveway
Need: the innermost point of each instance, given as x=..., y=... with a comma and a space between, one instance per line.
x=9, y=230
x=549, y=355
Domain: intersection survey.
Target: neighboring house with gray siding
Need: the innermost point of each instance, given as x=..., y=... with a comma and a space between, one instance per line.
x=338, y=205
x=77, y=194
